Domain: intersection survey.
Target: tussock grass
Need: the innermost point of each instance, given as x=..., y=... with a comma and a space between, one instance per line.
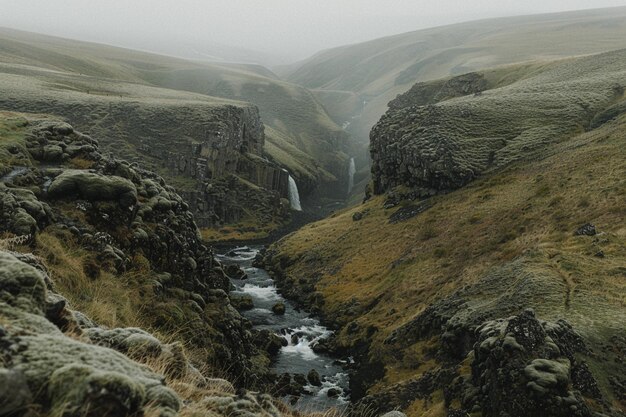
x=108, y=299
x=528, y=211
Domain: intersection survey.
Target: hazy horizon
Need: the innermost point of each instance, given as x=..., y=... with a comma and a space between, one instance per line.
x=272, y=33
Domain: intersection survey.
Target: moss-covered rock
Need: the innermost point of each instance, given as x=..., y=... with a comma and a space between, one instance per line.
x=93, y=187
x=72, y=377
x=21, y=285
x=441, y=135
x=79, y=390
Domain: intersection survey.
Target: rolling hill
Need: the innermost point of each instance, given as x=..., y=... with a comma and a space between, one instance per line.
x=355, y=82
x=428, y=280
x=295, y=118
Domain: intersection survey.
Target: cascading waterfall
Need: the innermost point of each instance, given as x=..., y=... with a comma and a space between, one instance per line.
x=294, y=196
x=351, y=172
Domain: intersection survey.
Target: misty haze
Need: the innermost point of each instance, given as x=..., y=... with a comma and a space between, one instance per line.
x=298, y=208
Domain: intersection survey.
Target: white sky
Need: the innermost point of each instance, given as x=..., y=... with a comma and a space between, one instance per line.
x=290, y=29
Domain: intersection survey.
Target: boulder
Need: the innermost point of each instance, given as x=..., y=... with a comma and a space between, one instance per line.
x=93, y=187
x=314, y=378
x=234, y=272
x=242, y=303
x=333, y=393
x=587, y=229
x=278, y=309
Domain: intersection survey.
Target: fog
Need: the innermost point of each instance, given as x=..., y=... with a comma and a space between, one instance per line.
x=264, y=31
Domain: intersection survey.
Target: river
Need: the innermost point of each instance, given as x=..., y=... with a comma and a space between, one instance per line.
x=297, y=357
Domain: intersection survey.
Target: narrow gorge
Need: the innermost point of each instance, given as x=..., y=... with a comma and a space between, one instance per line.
x=429, y=224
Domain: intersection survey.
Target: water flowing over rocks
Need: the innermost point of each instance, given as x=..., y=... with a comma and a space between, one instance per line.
x=308, y=378
x=294, y=195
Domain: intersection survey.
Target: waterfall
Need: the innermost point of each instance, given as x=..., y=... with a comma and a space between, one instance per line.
x=294, y=196
x=351, y=171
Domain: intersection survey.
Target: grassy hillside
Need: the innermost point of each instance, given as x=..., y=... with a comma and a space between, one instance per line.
x=378, y=70
x=410, y=282
x=290, y=110
x=441, y=135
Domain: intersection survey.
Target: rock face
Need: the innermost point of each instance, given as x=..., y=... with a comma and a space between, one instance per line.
x=524, y=367
x=213, y=154
x=227, y=148
x=443, y=134
x=120, y=213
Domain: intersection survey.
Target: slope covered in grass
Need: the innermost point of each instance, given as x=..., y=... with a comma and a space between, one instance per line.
x=380, y=69
x=441, y=135
x=289, y=109
x=409, y=283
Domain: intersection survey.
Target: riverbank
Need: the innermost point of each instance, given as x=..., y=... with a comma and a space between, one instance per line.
x=306, y=377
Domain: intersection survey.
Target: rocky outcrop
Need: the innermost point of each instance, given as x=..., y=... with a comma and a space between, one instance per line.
x=41, y=365
x=197, y=146
x=90, y=370
x=522, y=366
x=441, y=135
x=428, y=93
x=120, y=213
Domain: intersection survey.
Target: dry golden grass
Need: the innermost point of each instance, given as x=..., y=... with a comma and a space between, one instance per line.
x=110, y=300
x=531, y=208
x=81, y=163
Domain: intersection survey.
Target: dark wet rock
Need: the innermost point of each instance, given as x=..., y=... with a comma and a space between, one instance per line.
x=242, y=303
x=405, y=213
x=587, y=229
x=278, y=309
x=300, y=379
x=324, y=346
x=269, y=342
x=333, y=393
x=234, y=272
x=314, y=378
x=258, y=261
x=287, y=385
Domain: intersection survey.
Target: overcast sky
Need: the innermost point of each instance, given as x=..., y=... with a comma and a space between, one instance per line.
x=286, y=29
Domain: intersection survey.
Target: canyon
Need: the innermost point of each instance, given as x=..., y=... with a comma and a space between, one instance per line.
x=188, y=238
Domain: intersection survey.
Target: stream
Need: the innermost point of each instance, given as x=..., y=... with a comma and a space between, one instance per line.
x=297, y=357
x=15, y=172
